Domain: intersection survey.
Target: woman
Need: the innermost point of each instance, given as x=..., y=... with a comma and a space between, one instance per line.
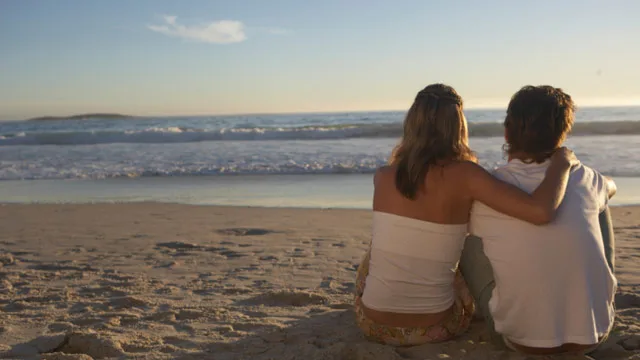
x=408, y=289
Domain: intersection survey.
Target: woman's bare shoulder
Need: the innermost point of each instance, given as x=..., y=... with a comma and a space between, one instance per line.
x=463, y=167
x=459, y=174
x=384, y=172
x=386, y=169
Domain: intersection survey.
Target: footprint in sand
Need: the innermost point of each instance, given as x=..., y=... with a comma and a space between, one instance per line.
x=244, y=231
x=126, y=319
x=41, y=344
x=230, y=254
x=286, y=298
x=183, y=247
x=348, y=287
x=5, y=287
x=189, y=314
x=342, y=306
x=136, y=348
x=633, y=227
x=178, y=245
x=235, y=291
x=78, y=249
x=16, y=306
x=327, y=282
x=627, y=300
x=631, y=343
x=6, y=260
x=313, y=311
x=126, y=302
x=114, y=284
x=320, y=239
x=180, y=342
x=23, y=253
x=88, y=321
x=168, y=290
x=168, y=264
x=92, y=344
x=163, y=316
x=63, y=356
x=57, y=267
x=185, y=328
x=255, y=314
x=86, y=307
x=261, y=283
x=253, y=326
x=61, y=327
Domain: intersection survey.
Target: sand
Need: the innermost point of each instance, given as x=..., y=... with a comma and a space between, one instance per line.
x=161, y=281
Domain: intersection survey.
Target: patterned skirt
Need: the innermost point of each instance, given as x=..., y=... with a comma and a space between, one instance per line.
x=455, y=324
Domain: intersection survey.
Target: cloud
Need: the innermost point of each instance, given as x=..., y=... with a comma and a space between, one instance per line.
x=217, y=32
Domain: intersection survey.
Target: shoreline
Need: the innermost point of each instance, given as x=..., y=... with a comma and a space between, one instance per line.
x=97, y=203
x=343, y=191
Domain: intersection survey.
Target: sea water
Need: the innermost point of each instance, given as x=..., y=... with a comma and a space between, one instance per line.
x=312, y=160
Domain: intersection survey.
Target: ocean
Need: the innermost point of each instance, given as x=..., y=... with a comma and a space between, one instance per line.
x=306, y=160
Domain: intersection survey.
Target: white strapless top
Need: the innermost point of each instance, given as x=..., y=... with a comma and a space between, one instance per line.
x=413, y=264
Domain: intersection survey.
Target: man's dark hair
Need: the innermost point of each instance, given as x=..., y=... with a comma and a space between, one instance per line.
x=539, y=118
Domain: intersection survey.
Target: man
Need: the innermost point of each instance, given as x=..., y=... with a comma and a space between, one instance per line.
x=544, y=289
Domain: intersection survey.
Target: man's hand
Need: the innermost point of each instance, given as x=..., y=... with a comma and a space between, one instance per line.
x=564, y=155
x=611, y=186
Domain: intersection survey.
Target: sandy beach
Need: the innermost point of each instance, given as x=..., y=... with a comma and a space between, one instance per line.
x=163, y=281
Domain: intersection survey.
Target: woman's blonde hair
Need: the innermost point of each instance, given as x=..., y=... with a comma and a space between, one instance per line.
x=435, y=130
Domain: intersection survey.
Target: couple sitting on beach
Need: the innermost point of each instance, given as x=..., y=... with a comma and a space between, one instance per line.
x=528, y=246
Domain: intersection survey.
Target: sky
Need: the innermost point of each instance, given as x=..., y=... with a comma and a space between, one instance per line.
x=202, y=57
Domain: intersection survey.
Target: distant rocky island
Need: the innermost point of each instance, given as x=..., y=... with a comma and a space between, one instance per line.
x=82, y=117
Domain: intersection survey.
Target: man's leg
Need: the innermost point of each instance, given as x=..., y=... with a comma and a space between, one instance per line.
x=478, y=273
x=608, y=239
x=606, y=226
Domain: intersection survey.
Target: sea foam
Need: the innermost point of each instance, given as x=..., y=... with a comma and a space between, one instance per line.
x=174, y=134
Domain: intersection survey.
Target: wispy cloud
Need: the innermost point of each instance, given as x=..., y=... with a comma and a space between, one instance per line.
x=217, y=32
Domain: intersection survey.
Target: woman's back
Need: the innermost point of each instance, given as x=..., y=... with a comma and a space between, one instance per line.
x=442, y=200
x=416, y=246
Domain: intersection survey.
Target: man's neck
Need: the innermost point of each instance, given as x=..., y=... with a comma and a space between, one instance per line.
x=524, y=157
x=520, y=156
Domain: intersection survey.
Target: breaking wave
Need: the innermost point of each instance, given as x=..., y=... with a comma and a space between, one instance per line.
x=161, y=135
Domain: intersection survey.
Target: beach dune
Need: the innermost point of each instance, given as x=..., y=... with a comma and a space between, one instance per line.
x=163, y=281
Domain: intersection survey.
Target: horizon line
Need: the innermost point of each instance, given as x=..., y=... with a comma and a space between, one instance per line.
x=284, y=112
